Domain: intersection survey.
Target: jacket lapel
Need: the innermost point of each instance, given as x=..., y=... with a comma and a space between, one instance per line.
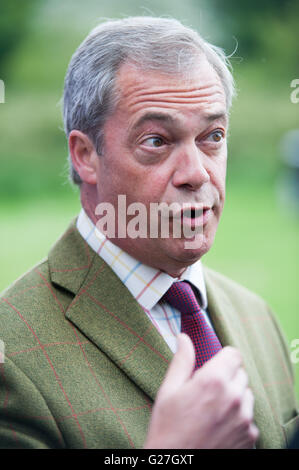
x=231, y=332
x=105, y=312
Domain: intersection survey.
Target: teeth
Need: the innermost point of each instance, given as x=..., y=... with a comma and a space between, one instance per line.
x=198, y=212
x=192, y=213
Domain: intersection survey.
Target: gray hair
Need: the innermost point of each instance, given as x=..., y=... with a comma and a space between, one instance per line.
x=151, y=43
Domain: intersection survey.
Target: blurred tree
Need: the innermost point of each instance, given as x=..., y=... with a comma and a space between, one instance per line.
x=245, y=19
x=14, y=21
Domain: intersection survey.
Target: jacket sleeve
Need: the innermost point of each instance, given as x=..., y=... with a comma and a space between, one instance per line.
x=26, y=421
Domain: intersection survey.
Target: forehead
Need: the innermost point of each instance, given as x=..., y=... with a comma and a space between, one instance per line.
x=142, y=91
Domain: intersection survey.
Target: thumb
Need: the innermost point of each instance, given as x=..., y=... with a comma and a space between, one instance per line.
x=182, y=364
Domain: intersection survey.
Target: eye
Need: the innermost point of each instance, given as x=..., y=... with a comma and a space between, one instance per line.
x=153, y=142
x=216, y=136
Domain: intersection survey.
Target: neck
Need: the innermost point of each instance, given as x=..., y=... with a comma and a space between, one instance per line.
x=88, y=196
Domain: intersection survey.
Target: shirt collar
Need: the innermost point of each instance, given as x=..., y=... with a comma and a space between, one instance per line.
x=146, y=284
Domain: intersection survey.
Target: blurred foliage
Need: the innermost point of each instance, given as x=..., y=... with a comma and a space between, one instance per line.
x=37, y=48
x=14, y=24
x=264, y=29
x=33, y=146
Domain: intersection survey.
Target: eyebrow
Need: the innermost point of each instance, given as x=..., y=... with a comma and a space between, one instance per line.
x=221, y=116
x=168, y=119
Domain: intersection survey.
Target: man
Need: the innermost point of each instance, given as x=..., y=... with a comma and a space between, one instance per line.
x=94, y=355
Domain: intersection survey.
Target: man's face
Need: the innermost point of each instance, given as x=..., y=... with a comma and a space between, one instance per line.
x=166, y=142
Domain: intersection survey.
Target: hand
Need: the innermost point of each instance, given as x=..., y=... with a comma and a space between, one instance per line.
x=211, y=408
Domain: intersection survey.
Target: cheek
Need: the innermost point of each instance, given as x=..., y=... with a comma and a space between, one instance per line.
x=218, y=177
x=157, y=185
x=148, y=184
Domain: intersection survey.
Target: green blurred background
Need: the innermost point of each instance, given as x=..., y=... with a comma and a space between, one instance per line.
x=257, y=240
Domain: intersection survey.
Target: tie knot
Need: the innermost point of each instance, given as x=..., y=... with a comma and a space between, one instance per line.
x=181, y=296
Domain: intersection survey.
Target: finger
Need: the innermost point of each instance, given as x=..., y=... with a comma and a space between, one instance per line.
x=236, y=400
x=248, y=432
x=249, y=442
x=225, y=364
x=239, y=382
x=182, y=364
x=247, y=405
x=236, y=394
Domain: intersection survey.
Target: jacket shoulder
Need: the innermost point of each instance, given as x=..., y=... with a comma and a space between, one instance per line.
x=29, y=304
x=236, y=291
x=253, y=307
x=22, y=295
x=27, y=286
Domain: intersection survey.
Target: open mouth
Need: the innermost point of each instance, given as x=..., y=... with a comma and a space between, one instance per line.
x=192, y=212
x=191, y=215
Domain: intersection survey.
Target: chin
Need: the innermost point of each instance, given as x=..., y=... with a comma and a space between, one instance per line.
x=190, y=251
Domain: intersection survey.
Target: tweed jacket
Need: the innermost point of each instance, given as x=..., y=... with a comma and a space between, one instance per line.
x=83, y=363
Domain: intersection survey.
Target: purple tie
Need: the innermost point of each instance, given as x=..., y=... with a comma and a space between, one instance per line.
x=193, y=323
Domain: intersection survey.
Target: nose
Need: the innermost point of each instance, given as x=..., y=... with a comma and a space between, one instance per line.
x=190, y=171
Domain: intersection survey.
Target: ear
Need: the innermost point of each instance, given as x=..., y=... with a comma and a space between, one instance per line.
x=84, y=156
